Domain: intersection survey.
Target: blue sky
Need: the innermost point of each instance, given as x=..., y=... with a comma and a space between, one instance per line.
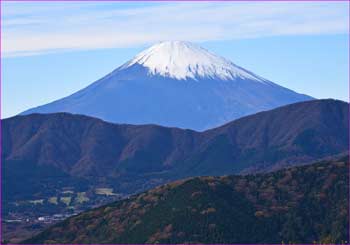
x=51, y=50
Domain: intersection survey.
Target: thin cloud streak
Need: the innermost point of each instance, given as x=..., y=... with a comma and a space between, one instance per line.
x=37, y=28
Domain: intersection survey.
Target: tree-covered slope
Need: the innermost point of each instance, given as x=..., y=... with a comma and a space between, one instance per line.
x=300, y=205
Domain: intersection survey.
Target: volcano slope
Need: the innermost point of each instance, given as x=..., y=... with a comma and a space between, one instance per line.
x=175, y=84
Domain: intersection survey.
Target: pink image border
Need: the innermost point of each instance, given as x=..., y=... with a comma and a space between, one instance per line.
x=165, y=1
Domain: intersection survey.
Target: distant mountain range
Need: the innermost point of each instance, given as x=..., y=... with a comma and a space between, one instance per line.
x=307, y=204
x=38, y=150
x=175, y=84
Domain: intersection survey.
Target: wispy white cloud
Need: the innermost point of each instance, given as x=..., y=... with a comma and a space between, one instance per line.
x=35, y=28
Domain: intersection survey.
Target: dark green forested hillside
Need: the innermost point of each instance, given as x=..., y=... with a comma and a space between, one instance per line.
x=299, y=205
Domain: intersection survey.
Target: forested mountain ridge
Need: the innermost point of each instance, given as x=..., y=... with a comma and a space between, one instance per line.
x=86, y=147
x=302, y=204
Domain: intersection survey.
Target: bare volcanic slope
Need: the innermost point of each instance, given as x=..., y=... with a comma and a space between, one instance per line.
x=39, y=148
x=175, y=84
x=296, y=205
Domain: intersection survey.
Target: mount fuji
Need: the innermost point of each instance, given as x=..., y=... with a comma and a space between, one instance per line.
x=175, y=84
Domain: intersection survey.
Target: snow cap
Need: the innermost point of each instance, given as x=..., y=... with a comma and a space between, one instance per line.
x=185, y=60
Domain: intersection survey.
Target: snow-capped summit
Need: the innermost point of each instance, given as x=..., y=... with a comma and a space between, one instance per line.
x=149, y=89
x=185, y=60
